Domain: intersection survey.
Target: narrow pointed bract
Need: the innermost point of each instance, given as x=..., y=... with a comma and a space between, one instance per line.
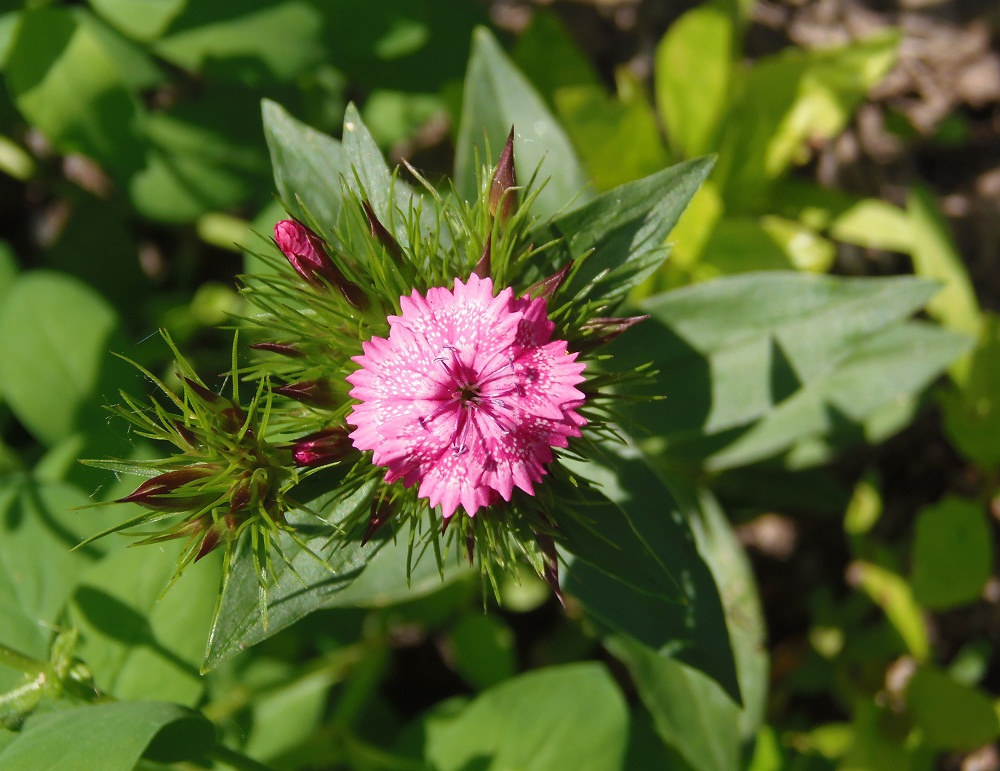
x=601, y=330
x=547, y=287
x=503, y=193
x=483, y=267
x=380, y=234
x=314, y=392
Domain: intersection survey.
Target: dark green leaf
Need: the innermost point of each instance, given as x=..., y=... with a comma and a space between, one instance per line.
x=370, y=575
x=813, y=354
x=56, y=370
x=619, y=238
x=637, y=568
x=569, y=718
x=108, y=737
x=66, y=80
x=497, y=97
x=952, y=553
x=953, y=716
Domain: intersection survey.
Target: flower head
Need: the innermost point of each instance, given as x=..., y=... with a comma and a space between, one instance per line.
x=467, y=396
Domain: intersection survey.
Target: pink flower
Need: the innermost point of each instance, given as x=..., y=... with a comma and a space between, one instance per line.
x=467, y=396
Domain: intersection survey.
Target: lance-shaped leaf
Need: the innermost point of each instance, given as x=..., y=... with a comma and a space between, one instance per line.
x=307, y=166
x=637, y=569
x=369, y=573
x=830, y=351
x=619, y=238
x=498, y=96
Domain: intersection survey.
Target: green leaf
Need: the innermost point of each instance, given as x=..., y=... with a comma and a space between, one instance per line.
x=952, y=716
x=484, y=650
x=884, y=370
x=497, y=96
x=952, y=553
x=375, y=182
x=55, y=366
x=875, y=224
x=619, y=238
x=139, y=640
x=730, y=351
x=890, y=592
x=637, y=568
x=692, y=71
x=108, y=737
x=251, y=42
x=972, y=410
x=786, y=100
x=690, y=711
x=65, y=79
x=568, y=718
x=369, y=575
x=936, y=256
x=201, y=159
x=143, y=20
x=600, y=125
x=308, y=166
x=38, y=570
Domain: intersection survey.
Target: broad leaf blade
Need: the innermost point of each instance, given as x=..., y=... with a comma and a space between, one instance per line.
x=66, y=739
x=620, y=236
x=308, y=166
x=637, y=568
x=570, y=718
x=497, y=97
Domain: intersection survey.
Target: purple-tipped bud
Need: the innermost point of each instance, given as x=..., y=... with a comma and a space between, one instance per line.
x=483, y=267
x=380, y=234
x=503, y=196
x=158, y=492
x=549, y=286
x=282, y=349
x=206, y=395
x=314, y=392
x=232, y=419
x=551, y=560
x=602, y=330
x=326, y=446
x=186, y=435
x=381, y=513
x=307, y=254
x=213, y=536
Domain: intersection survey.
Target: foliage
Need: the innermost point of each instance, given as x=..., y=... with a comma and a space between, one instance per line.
x=309, y=641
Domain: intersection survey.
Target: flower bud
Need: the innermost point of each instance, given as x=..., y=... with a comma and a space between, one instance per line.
x=503, y=195
x=381, y=513
x=326, y=446
x=159, y=492
x=314, y=392
x=307, y=254
x=601, y=330
x=282, y=349
x=549, y=286
x=551, y=559
x=483, y=267
x=380, y=234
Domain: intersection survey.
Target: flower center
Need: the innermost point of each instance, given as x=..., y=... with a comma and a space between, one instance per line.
x=476, y=392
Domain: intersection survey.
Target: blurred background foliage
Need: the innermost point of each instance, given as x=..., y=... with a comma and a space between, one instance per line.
x=853, y=138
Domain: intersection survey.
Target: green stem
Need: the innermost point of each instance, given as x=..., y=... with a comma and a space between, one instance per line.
x=22, y=663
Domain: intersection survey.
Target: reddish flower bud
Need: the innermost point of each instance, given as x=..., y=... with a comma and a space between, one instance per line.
x=280, y=348
x=326, y=446
x=380, y=234
x=549, y=286
x=208, y=544
x=307, y=254
x=483, y=267
x=206, y=395
x=503, y=195
x=381, y=513
x=314, y=392
x=602, y=330
x=158, y=492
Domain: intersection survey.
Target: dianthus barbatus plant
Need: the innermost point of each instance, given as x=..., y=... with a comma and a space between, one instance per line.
x=421, y=363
